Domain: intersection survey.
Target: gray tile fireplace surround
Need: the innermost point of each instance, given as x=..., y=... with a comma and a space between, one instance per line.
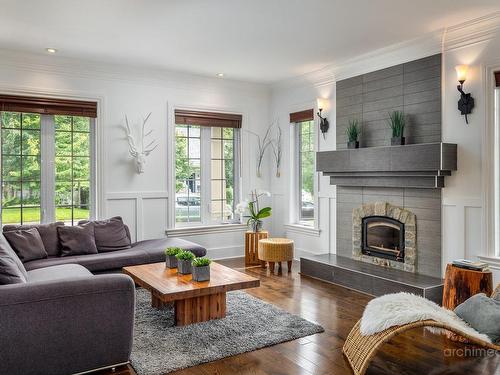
x=415, y=88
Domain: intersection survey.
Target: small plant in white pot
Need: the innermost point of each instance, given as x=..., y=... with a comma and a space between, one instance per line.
x=170, y=259
x=184, y=259
x=201, y=269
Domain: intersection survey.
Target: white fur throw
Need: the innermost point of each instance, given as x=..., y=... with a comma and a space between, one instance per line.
x=402, y=308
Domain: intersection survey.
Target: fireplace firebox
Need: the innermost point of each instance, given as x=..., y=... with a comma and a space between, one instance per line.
x=383, y=237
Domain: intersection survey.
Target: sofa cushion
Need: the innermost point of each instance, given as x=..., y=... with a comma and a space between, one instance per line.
x=77, y=240
x=12, y=270
x=110, y=234
x=48, y=233
x=156, y=247
x=95, y=262
x=61, y=272
x=27, y=244
x=481, y=313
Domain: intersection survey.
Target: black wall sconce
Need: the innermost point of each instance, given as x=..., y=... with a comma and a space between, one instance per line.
x=466, y=102
x=324, y=125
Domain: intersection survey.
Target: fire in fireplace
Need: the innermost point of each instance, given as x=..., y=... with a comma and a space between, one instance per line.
x=383, y=237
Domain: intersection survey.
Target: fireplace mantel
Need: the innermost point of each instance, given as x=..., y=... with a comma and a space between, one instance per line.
x=422, y=165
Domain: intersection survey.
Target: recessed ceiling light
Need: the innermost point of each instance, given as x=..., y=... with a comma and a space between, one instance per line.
x=51, y=50
x=220, y=75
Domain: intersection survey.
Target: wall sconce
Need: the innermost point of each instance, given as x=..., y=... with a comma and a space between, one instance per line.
x=466, y=102
x=323, y=121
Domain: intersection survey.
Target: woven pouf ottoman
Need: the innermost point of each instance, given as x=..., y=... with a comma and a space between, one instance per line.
x=276, y=250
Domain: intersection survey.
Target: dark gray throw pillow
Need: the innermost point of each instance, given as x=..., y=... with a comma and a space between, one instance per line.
x=77, y=240
x=48, y=233
x=27, y=244
x=483, y=314
x=12, y=270
x=110, y=234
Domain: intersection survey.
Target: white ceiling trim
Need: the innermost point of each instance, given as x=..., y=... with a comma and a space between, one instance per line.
x=468, y=33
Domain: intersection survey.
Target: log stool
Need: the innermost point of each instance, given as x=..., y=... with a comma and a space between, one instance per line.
x=274, y=250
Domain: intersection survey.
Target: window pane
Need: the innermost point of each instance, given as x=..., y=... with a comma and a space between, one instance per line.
x=194, y=148
x=63, y=143
x=11, y=142
x=63, y=169
x=81, y=168
x=227, y=133
x=81, y=144
x=31, y=142
x=11, y=215
x=11, y=120
x=63, y=123
x=194, y=132
x=31, y=121
x=31, y=214
x=31, y=168
x=11, y=168
x=228, y=150
x=63, y=193
x=64, y=213
x=81, y=124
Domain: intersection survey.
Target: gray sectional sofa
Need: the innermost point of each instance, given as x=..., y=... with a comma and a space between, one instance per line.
x=60, y=315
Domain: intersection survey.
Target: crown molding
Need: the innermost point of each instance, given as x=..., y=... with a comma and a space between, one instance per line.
x=86, y=69
x=467, y=33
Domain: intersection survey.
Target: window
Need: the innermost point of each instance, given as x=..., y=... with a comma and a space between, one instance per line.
x=47, y=166
x=206, y=169
x=304, y=135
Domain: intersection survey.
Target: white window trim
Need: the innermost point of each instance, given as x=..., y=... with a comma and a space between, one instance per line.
x=295, y=176
x=47, y=170
x=205, y=229
x=190, y=227
x=303, y=229
x=491, y=169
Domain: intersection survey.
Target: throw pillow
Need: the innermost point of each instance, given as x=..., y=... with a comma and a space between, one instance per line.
x=48, y=233
x=12, y=270
x=77, y=240
x=496, y=294
x=481, y=313
x=110, y=234
x=27, y=244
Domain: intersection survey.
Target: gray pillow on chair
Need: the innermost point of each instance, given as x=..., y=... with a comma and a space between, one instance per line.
x=27, y=244
x=48, y=233
x=12, y=270
x=483, y=314
x=77, y=240
x=110, y=234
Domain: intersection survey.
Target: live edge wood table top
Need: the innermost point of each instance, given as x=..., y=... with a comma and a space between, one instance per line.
x=193, y=301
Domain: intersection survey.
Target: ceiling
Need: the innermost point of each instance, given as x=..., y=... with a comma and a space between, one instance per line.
x=253, y=40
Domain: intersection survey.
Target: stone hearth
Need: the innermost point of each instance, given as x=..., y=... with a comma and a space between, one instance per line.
x=385, y=209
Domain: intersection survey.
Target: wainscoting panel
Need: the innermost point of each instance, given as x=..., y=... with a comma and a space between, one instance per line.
x=144, y=212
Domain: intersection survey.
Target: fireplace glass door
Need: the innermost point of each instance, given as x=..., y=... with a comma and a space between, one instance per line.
x=383, y=237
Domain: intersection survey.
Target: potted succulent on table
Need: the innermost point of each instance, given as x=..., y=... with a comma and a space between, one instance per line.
x=170, y=259
x=397, y=123
x=184, y=259
x=353, y=130
x=201, y=269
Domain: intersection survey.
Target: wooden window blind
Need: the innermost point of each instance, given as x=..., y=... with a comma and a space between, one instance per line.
x=497, y=79
x=47, y=106
x=306, y=115
x=212, y=119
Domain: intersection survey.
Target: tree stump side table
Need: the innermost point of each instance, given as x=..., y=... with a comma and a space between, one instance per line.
x=461, y=283
x=252, y=245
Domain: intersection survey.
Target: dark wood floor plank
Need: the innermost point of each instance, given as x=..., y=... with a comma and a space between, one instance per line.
x=337, y=309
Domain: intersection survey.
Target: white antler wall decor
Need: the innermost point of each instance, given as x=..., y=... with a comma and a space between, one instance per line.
x=139, y=152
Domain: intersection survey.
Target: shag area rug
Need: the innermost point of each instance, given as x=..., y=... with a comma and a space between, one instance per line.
x=160, y=347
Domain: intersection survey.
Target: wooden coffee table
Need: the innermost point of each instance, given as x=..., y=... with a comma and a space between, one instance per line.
x=193, y=301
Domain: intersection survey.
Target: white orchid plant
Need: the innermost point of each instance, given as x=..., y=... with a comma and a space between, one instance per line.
x=253, y=206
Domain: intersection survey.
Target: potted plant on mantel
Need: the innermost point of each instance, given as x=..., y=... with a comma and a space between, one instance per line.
x=184, y=259
x=353, y=130
x=201, y=269
x=397, y=123
x=170, y=259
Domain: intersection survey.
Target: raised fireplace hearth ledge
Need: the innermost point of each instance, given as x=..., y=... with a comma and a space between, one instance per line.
x=422, y=165
x=385, y=209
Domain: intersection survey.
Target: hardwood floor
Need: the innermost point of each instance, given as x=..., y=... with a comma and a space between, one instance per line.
x=336, y=309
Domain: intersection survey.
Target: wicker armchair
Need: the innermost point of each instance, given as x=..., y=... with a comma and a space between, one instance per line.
x=359, y=350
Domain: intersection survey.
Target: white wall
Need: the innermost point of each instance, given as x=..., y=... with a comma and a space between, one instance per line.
x=143, y=200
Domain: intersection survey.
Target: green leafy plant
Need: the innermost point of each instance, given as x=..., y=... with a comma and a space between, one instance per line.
x=170, y=251
x=201, y=262
x=397, y=123
x=353, y=130
x=185, y=255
